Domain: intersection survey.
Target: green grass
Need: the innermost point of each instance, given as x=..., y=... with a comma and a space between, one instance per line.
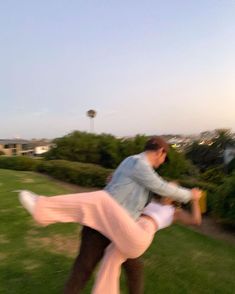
x=37, y=260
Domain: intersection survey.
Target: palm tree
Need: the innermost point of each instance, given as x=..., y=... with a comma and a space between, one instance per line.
x=91, y=114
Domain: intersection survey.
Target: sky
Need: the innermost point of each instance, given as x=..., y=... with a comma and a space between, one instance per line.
x=146, y=67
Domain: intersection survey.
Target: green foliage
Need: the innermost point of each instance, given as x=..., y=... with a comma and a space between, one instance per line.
x=177, y=166
x=204, y=156
x=224, y=201
x=104, y=149
x=86, y=147
x=84, y=174
x=132, y=146
x=231, y=166
x=214, y=175
x=77, y=146
x=18, y=163
x=108, y=151
x=223, y=138
x=89, y=175
x=1, y=153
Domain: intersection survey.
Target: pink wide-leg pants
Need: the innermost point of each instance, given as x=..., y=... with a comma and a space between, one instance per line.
x=101, y=212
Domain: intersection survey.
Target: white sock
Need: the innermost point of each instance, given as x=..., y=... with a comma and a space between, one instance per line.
x=28, y=200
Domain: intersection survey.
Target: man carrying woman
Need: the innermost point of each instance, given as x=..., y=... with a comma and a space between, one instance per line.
x=126, y=195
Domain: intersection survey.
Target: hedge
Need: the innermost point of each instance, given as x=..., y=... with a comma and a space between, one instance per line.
x=83, y=174
x=19, y=163
x=224, y=202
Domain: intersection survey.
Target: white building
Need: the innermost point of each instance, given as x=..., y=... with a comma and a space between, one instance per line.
x=41, y=146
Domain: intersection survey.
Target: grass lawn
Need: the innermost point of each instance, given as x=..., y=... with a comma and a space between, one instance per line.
x=37, y=260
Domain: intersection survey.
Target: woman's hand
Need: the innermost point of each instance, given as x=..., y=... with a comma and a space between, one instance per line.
x=196, y=194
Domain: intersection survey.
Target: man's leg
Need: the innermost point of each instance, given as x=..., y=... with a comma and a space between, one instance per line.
x=134, y=269
x=93, y=245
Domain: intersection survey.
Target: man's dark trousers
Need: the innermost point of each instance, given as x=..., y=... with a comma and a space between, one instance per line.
x=93, y=245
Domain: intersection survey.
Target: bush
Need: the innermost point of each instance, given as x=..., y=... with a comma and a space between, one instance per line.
x=19, y=163
x=231, y=166
x=214, y=175
x=1, y=153
x=224, y=202
x=177, y=166
x=83, y=174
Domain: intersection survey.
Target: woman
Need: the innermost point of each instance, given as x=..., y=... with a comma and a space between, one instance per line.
x=100, y=211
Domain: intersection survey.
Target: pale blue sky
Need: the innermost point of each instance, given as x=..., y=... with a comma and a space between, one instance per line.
x=150, y=67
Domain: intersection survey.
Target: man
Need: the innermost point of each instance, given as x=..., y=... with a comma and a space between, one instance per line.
x=131, y=185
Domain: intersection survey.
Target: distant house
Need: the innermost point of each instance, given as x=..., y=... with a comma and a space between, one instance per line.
x=16, y=147
x=41, y=147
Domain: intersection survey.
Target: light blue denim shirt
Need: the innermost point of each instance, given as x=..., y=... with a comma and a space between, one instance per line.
x=132, y=181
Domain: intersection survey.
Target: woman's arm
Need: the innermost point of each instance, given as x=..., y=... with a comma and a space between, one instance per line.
x=193, y=218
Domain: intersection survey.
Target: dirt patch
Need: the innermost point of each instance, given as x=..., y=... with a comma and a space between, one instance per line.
x=30, y=265
x=27, y=180
x=4, y=239
x=65, y=245
x=60, y=244
x=3, y=256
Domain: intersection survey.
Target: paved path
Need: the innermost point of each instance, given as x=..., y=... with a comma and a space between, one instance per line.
x=210, y=228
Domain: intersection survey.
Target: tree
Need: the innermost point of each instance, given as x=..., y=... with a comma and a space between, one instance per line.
x=91, y=114
x=223, y=138
x=177, y=166
x=224, y=201
x=203, y=156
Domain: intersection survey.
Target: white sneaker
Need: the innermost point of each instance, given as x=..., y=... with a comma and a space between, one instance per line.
x=28, y=200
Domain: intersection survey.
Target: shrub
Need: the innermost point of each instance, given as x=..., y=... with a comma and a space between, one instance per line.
x=177, y=166
x=18, y=163
x=84, y=174
x=224, y=201
x=214, y=175
x=90, y=175
x=231, y=166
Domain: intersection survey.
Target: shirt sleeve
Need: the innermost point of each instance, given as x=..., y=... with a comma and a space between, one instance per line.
x=147, y=177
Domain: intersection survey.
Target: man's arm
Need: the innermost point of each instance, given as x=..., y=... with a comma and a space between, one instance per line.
x=146, y=176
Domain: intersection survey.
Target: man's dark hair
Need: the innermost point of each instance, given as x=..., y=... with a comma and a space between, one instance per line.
x=155, y=143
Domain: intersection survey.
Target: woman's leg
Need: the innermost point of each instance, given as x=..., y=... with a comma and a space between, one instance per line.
x=101, y=212
x=108, y=277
